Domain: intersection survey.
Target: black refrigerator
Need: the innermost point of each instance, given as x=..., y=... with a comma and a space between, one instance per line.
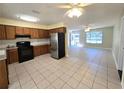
x=57, y=45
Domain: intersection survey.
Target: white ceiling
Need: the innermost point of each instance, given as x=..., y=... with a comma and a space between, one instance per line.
x=95, y=14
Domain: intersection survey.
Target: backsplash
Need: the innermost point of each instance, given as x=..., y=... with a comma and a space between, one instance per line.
x=5, y=43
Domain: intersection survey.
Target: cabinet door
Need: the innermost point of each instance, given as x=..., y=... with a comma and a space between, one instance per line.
x=26, y=31
x=48, y=48
x=10, y=32
x=44, y=49
x=34, y=33
x=53, y=31
x=19, y=30
x=3, y=75
x=46, y=34
x=60, y=29
x=11, y=58
x=2, y=32
x=37, y=51
x=41, y=34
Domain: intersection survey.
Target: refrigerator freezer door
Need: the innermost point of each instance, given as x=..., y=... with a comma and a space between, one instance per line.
x=54, y=45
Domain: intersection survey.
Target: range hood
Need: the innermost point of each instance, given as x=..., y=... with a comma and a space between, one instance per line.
x=23, y=36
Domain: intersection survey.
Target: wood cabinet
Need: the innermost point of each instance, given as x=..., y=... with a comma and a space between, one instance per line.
x=3, y=75
x=43, y=33
x=48, y=48
x=2, y=32
x=60, y=29
x=37, y=51
x=12, y=56
x=34, y=33
x=40, y=50
x=46, y=34
x=22, y=31
x=27, y=31
x=19, y=30
x=10, y=32
x=44, y=49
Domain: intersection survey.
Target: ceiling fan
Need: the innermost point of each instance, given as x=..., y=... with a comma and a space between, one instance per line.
x=75, y=9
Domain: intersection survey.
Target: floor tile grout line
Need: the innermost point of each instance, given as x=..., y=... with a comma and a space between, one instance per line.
x=31, y=77
x=18, y=78
x=83, y=77
x=43, y=76
x=95, y=74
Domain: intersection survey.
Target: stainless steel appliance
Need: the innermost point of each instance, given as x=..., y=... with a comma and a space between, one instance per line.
x=25, y=51
x=57, y=41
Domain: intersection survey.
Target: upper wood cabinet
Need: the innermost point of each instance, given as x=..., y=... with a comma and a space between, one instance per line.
x=22, y=31
x=46, y=34
x=43, y=33
x=60, y=29
x=2, y=32
x=34, y=33
x=10, y=32
x=27, y=31
x=19, y=30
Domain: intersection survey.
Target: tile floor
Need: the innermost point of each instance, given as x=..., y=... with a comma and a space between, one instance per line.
x=85, y=68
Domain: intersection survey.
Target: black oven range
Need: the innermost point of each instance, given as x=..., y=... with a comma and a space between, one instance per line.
x=25, y=51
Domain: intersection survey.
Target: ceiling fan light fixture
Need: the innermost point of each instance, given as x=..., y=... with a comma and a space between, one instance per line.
x=74, y=12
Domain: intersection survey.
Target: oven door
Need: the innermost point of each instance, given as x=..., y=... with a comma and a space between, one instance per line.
x=25, y=53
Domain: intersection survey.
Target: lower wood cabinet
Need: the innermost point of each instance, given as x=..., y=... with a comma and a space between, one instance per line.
x=3, y=75
x=40, y=50
x=37, y=51
x=12, y=56
x=44, y=49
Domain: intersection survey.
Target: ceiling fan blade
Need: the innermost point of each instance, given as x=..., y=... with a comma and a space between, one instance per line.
x=84, y=4
x=64, y=6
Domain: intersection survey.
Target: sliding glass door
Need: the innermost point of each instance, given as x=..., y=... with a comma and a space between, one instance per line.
x=75, y=38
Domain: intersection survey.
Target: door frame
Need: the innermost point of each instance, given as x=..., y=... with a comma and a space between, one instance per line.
x=121, y=51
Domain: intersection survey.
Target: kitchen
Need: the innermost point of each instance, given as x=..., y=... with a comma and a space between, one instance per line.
x=10, y=54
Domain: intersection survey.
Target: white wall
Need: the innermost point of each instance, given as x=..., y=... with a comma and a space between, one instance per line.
x=116, y=43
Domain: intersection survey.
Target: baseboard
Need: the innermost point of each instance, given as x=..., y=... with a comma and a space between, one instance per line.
x=98, y=47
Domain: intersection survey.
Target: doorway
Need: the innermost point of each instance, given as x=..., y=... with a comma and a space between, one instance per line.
x=74, y=39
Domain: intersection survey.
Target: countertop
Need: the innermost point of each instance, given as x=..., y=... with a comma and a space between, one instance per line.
x=9, y=48
x=2, y=57
x=4, y=48
x=38, y=43
x=2, y=54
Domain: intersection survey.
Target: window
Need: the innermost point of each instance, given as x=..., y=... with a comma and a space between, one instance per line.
x=94, y=37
